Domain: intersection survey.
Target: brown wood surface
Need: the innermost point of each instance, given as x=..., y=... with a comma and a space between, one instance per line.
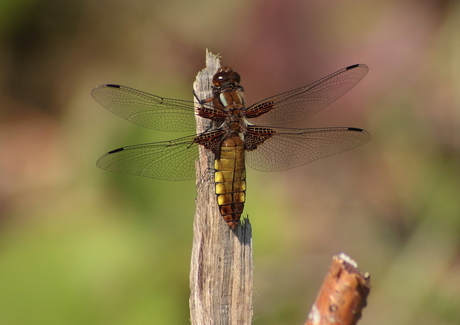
x=342, y=296
x=221, y=275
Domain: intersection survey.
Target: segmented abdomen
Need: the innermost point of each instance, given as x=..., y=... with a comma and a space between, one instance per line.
x=230, y=178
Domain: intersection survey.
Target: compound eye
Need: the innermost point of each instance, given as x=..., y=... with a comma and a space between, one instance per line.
x=235, y=77
x=219, y=78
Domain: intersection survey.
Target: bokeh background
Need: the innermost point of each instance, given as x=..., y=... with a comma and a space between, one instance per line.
x=79, y=245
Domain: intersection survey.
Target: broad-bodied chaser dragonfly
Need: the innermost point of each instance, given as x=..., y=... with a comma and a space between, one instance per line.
x=236, y=139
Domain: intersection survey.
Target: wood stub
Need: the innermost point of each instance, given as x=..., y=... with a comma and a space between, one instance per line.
x=342, y=295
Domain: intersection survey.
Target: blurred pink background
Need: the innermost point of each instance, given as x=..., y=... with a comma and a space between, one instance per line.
x=83, y=246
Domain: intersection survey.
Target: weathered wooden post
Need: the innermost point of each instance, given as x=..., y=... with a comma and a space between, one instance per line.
x=221, y=275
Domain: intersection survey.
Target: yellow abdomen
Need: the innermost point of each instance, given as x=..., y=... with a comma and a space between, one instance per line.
x=230, y=178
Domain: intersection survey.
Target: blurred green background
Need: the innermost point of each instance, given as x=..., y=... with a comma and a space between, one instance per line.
x=79, y=245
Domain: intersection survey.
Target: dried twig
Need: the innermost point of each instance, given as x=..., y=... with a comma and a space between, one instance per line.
x=342, y=295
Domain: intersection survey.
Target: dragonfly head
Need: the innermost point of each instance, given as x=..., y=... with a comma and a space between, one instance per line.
x=225, y=79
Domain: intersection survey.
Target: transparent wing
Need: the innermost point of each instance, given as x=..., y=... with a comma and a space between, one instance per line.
x=146, y=110
x=167, y=160
x=288, y=148
x=302, y=102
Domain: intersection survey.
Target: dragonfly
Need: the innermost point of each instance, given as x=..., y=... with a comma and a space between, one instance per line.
x=237, y=135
